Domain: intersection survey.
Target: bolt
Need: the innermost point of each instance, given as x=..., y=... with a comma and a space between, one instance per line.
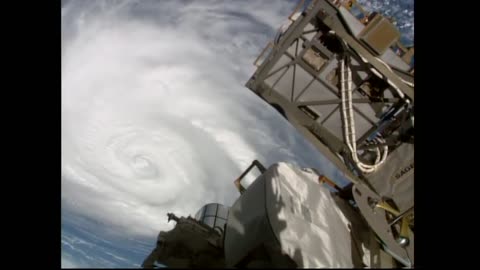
x=403, y=241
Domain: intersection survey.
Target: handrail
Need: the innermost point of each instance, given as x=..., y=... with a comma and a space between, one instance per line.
x=301, y=2
x=237, y=183
x=270, y=44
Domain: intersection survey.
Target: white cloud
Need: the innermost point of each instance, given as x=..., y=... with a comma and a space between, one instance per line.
x=68, y=263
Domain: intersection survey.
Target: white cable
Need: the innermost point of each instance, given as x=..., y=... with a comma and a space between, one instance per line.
x=394, y=86
x=349, y=127
x=348, y=116
x=388, y=66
